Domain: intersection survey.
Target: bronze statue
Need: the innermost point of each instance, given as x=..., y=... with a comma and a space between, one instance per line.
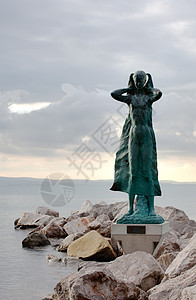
x=136, y=160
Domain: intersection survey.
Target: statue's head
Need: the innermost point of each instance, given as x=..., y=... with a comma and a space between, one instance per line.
x=140, y=79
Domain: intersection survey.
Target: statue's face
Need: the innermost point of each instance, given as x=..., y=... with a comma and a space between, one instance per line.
x=139, y=79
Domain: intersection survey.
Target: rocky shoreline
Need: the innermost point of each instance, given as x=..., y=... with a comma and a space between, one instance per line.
x=103, y=271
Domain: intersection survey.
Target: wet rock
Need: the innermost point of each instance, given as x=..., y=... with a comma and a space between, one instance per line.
x=48, y=297
x=91, y=246
x=55, y=242
x=185, y=260
x=30, y=220
x=173, y=289
x=16, y=222
x=68, y=261
x=55, y=229
x=35, y=239
x=102, y=224
x=139, y=267
x=46, y=211
x=53, y=259
x=91, y=284
x=78, y=225
x=68, y=240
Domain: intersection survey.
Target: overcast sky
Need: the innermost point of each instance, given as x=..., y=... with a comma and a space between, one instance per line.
x=59, y=62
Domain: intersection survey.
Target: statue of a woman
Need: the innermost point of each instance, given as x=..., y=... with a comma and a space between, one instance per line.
x=136, y=160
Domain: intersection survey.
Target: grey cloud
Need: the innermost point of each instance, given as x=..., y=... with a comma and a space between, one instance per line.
x=93, y=44
x=64, y=124
x=48, y=45
x=61, y=124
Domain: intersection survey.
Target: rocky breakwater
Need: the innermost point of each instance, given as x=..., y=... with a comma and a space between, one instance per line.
x=45, y=223
x=179, y=281
x=170, y=274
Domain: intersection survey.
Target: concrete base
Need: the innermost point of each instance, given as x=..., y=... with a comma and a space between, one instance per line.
x=140, y=237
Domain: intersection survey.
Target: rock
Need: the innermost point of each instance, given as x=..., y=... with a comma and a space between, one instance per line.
x=111, y=210
x=78, y=225
x=102, y=224
x=170, y=212
x=139, y=267
x=94, y=265
x=89, y=209
x=91, y=284
x=91, y=246
x=116, y=247
x=101, y=208
x=48, y=297
x=173, y=289
x=74, y=211
x=179, y=221
x=86, y=209
x=53, y=259
x=94, y=210
x=71, y=217
x=35, y=239
x=170, y=244
x=46, y=211
x=16, y=222
x=68, y=261
x=116, y=208
x=71, y=261
x=121, y=213
x=186, y=229
x=30, y=220
x=55, y=229
x=68, y=240
x=189, y=293
x=56, y=242
x=166, y=259
x=185, y=260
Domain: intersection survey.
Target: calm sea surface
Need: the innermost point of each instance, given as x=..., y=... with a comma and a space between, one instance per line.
x=26, y=274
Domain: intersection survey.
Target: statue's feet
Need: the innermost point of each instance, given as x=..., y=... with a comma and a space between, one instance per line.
x=152, y=213
x=130, y=212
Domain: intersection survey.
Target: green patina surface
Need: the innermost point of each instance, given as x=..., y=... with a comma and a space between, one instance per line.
x=136, y=160
x=141, y=214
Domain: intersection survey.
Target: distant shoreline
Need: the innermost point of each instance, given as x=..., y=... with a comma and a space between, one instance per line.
x=91, y=180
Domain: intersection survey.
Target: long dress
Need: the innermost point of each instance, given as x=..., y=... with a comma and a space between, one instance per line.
x=123, y=179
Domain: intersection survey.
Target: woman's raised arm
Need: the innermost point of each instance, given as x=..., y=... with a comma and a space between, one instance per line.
x=118, y=95
x=155, y=94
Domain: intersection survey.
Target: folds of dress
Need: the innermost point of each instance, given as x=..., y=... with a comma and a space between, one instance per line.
x=124, y=179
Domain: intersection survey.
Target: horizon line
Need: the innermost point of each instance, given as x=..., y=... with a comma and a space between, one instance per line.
x=82, y=179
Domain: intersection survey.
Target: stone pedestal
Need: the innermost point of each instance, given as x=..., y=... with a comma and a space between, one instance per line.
x=140, y=237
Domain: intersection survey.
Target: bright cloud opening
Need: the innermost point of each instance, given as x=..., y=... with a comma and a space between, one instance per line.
x=26, y=108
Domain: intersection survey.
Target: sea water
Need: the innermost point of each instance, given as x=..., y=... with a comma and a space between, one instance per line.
x=25, y=273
